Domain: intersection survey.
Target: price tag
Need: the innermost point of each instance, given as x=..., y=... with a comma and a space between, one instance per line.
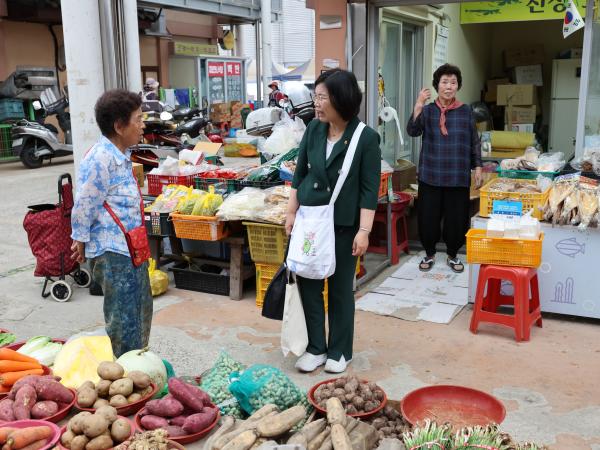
x=507, y=208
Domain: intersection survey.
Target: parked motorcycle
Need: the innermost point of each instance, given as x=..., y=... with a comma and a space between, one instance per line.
x=35, y=142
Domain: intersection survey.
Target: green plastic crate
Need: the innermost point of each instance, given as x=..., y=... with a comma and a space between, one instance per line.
x=6, y=153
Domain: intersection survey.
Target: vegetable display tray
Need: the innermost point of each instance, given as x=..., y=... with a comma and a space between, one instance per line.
x=198, y=227
x=503, y=251
x=531, y=201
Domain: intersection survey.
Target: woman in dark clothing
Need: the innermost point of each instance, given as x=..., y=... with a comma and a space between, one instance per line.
x=322, y=152
x=450, y=150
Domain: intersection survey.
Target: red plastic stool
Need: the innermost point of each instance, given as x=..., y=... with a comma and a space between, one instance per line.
x=378, y=242
x=526, y=309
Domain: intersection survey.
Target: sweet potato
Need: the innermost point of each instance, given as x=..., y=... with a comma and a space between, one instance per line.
x=174, y=431
x=200, y=421
x=48, y=389
x=190, y=396
x=44, y=409
x=29, y=379
x=178, y=420
x=167, y=407
x=6, y=410
x=24, y=401
x=151, y=422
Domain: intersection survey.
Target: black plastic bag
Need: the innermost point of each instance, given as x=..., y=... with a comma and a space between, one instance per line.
x=275, y=296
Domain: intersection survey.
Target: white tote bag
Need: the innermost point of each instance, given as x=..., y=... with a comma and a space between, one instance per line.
x=312, y=244
x=294, y=336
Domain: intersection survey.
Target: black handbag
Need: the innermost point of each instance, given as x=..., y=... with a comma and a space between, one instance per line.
x=274, y=300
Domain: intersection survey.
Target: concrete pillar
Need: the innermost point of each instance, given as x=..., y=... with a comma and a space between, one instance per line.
x=83, y=54
x=265, y=16
x=132, y=46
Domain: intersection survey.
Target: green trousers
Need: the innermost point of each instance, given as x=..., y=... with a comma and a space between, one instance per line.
x=340, y=302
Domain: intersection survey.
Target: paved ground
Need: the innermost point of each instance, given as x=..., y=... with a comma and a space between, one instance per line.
x=549, y=385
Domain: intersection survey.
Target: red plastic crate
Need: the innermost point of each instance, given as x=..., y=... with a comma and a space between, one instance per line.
x=156, y=182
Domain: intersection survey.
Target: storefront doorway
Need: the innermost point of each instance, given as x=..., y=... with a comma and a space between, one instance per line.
x=401, y=71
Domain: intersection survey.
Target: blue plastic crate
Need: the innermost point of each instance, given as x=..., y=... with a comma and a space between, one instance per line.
x=11, y=109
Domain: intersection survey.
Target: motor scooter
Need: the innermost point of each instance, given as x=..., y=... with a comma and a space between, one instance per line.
x=34, y=142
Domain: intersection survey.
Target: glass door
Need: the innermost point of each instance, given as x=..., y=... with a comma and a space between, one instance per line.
x=400, y=71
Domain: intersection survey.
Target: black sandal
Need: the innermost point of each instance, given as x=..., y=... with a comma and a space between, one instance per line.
x=456, y=265
x=426, y=264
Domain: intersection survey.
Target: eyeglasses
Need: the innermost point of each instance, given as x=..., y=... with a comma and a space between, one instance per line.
x=321, y=98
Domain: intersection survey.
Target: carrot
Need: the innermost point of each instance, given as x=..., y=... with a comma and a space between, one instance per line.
x=15, y=366
x=36, y=445
x=4, y=433
x=4, y=389
x=7, y=353
x=10, y=378
x=24, y=436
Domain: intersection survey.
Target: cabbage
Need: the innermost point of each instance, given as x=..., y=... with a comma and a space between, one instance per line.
x=33, y=344
x=47, y=354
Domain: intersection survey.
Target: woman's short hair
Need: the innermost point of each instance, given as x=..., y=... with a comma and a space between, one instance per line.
x=115, y=105
x=344, y=94
x=446, y=69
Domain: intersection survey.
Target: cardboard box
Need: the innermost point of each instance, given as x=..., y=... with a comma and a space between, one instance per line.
x=218, y=117
x=138, y=171
x=492, y=88
x=405, y=174
x=522, y=127
x=237, y=108
x=220, y=108
x=520, y=114
x=517, y=94
x=524, y=56
x=528, y=75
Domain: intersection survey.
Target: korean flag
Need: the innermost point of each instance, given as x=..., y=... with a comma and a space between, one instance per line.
x=573, y=20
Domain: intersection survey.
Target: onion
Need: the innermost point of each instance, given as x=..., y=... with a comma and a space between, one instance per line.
x=147, y=362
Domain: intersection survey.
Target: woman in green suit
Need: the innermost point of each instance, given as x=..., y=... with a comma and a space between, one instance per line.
x=322, y=151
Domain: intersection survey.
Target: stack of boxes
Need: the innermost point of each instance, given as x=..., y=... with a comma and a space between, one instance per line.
x=230, y=113
x=516, y=98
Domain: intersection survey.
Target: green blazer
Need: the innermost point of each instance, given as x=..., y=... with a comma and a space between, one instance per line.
x=315, y=177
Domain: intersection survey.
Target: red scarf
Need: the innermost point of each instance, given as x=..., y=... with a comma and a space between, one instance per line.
x=455, y=104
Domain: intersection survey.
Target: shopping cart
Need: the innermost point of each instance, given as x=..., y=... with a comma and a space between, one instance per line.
x=48, y=230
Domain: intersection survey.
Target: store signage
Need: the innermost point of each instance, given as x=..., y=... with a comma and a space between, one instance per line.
x=194, y=49
x=216, y=69
x=516, y=10
x=507, y=208
x=234, y=69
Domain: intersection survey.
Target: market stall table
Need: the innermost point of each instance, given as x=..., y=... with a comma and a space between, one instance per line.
x=567, y=272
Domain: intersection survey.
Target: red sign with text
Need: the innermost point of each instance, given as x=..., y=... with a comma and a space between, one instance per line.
x=234, y=68
x=216, y=69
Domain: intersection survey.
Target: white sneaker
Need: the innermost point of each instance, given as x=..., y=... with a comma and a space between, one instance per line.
x=309, y=362
x=337, y=366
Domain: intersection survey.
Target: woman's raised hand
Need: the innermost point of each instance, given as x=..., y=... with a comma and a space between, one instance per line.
x=424, y=96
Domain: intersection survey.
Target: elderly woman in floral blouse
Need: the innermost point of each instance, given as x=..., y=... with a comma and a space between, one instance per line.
x=106, y=174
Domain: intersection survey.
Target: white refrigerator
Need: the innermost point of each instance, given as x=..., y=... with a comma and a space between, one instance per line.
x=566, y=74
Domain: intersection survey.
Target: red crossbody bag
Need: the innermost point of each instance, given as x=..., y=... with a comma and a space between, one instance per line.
x=137, y=238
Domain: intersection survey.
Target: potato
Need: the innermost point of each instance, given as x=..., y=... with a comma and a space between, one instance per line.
x=135, y=397
x=86, y=397
x=79, y=442
x=123, y=386
x=102, y=442
x=112, y=371
x=140, y=379
x=118, y=400
x=120, y=430
x=103, y=387
x=95, y=425
x=108, y=412
x=145, y=392
x=67, y=438
x=87, y=384
x=76, y=422
x=100, y=403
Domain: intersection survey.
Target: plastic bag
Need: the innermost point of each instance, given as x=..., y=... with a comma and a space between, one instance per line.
x=169, y=166
x=159, y=280
x=551, y=162
x=79, y=358
x=210, y=203
x=286, y=134
x=260, y=385
x=243, y=205
x=216, y=384
x=543, y=183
